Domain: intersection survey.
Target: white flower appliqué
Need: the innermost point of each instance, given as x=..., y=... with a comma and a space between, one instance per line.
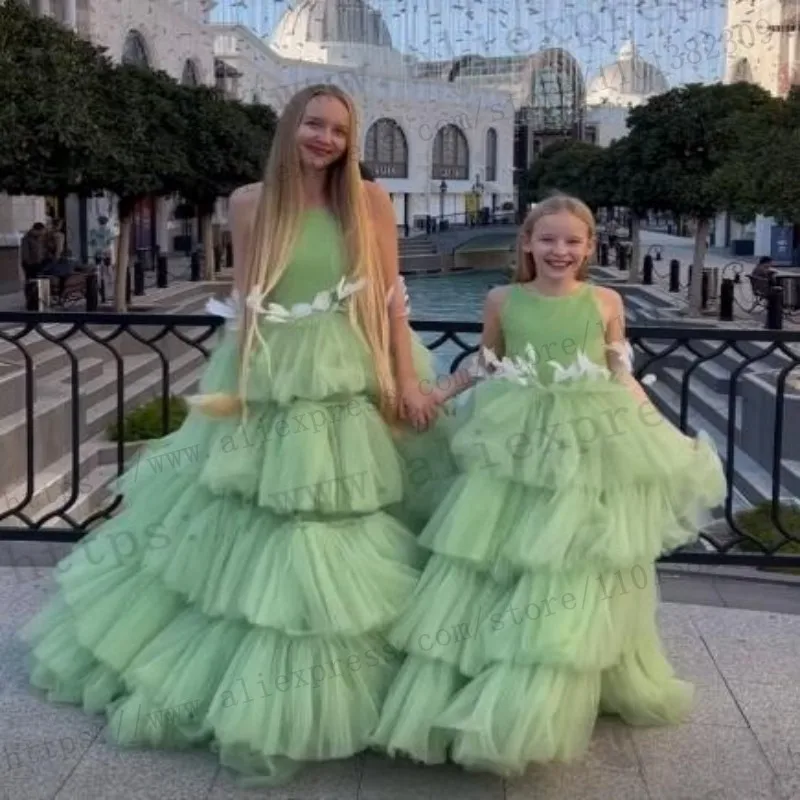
x=524, y=371
x=624, y=352
x=520, y=369
x=326, y=300
x=230, y=309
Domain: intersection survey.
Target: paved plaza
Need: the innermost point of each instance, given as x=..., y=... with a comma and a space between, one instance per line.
x=742, y=742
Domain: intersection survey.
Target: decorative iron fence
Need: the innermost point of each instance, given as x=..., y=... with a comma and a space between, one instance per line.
x=67, y=377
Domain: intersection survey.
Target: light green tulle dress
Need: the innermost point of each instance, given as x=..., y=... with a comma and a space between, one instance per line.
x=240, y=600
x=537, y=609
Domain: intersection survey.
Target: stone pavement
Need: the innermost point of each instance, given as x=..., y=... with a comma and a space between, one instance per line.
x=742, y=742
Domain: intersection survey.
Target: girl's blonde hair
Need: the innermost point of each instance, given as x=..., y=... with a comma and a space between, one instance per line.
x=275, y=231
x=526, y=268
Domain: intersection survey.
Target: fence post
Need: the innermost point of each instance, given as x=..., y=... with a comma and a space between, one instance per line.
x=775, y=308
x=195, y=266
x=647, y=270
x=161, y=272
x=726, y=300
x=91, y=291
x=675, y=275
x=138, y=276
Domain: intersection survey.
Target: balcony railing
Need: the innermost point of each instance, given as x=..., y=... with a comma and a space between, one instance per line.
x=67, y=377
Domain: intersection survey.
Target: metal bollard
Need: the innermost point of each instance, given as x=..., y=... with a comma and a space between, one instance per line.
x=622, y=257
x=91, y=292
x=229, y=255
x=647, y=270
x=705, y=284
x=604, y=254
x=138, y=277
x=674, y=275
x=775, y=308
x=195, y=266
x=726, y=300
x=128, y=286
x=161, y=272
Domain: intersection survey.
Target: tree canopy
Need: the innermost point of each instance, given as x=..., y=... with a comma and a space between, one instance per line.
x=73, y=122
x=695, y=150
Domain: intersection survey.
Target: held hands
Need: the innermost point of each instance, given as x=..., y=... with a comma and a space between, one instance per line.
x=420, y=405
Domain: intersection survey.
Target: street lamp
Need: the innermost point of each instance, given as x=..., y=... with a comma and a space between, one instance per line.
x=477, y=194
x=442, y=193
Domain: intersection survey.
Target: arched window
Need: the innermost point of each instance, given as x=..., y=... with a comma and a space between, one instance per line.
x=386, y=149
x=134, y=51
x=189, y=76
x=491, y=155
x=450, y=154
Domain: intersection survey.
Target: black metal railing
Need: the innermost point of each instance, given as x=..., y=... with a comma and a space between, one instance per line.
x=736, y=384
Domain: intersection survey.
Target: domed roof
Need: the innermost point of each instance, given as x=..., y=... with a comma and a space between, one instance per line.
x=331, y=22
x=628, y=81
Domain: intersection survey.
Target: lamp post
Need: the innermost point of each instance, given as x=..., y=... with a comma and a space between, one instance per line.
x=477, y=193
x=442, y=193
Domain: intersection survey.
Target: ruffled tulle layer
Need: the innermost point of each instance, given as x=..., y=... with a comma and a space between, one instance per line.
x=536, y=611
x=167, y=607
x=587, y=434
x=242, y=598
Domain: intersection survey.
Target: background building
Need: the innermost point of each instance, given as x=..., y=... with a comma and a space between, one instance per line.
x=432, y=146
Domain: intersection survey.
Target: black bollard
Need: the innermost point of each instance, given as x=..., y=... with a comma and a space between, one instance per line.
x=128, y=286
x=138, y=277
x=91, y=292
x=647, y=270
x=658, y=255
x=674, y=275
x=604, y=254
x=195, y=266
x=689, y=282
x=705, y=282
x=775, y=308
x=622, y=257
x=229, y=255
x=31, y=296
x=161, y=272
x=726, y=300
x=217, y=257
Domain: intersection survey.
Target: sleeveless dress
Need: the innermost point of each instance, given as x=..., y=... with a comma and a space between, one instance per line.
x=241, y=597
x=537, y=608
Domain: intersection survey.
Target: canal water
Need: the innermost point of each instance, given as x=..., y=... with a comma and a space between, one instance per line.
x=452, y=297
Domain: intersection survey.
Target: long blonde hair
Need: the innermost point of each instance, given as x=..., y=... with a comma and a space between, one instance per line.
x=526, y=267
x=275, y=231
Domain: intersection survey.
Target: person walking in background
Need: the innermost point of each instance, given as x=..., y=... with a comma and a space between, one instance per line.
x=33, y=251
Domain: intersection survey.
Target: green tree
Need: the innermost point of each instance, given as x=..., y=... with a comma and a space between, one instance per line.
x=51, y=85
x=226, y=144
x=146, y=154
x=679, y=140
x=761, y=176
x=571, y=167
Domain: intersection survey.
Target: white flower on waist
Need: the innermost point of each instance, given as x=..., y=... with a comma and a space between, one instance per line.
x=582, y=367
x=230, y=309
x=521, y=369
x=624, y=351
x=324, y=301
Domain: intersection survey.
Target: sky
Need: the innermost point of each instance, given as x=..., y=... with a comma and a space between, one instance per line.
x=684, y=38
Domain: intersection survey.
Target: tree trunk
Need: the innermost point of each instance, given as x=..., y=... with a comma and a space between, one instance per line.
x=636, y=248
x=208, y=243
x=125, y=219
x=698, y=261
